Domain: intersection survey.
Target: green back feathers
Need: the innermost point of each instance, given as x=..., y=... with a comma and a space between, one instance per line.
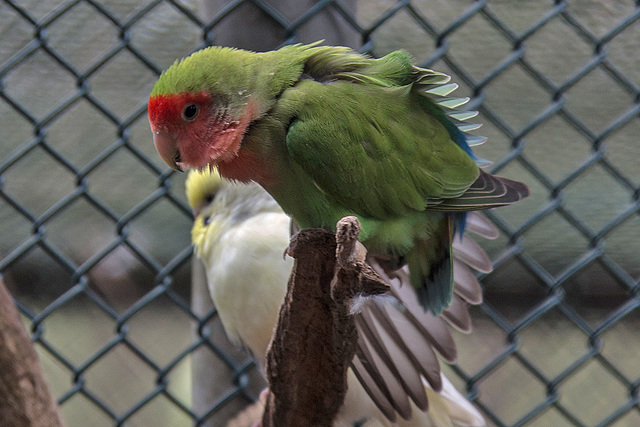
x=222, y=69
x=326, y=61
x=341, y=63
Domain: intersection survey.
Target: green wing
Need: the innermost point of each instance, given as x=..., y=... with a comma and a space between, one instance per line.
x=376, y=150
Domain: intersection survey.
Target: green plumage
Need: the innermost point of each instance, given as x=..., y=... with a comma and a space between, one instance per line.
x=349, y=135
x=391, y=159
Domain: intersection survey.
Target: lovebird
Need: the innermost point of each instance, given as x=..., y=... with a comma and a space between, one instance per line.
x=329, y=132
x=240, y=233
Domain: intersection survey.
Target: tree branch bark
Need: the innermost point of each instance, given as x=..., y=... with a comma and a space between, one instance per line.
x=315, y=337
x=25, y=398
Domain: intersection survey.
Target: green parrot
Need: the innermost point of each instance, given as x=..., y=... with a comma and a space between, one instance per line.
x=328, y=133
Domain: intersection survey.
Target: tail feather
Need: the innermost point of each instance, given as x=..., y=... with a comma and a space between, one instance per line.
x=488, y=191
x=458, y=315
x=469, y=251
x=431, y=268
x=460, y=410
x=433, y=328
x=466, y=286
x=369, y=382
x=398, y=359
x=408, y=339
x=403, y=326
x=383, y=375
x=481, y=226
x=447, y=408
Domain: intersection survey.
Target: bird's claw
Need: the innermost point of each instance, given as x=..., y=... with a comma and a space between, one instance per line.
x=286, y=252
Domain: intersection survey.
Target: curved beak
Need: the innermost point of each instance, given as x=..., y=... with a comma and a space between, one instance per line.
x=167, y=146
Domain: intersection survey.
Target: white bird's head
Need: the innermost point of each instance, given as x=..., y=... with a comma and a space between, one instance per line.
x=219, y=204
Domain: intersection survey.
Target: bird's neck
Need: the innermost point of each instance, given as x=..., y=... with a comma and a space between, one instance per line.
x=246, y=166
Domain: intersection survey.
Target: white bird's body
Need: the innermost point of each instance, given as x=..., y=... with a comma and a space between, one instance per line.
x=248, y=280
x=241, y=235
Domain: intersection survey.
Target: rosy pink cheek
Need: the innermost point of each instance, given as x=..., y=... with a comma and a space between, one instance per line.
x=195, y=144
x=194, y=155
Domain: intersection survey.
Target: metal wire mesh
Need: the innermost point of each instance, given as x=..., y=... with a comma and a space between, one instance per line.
x=95, y=229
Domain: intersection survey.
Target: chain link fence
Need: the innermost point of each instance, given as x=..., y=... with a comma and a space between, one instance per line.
x=95, y=229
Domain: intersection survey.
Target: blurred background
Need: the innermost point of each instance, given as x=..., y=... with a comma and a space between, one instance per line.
x=94, y=228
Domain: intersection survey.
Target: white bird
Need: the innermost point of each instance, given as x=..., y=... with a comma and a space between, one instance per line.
x=240, y=234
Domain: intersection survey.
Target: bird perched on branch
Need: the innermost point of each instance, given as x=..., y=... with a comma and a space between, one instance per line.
x=329, y=133
x=240, y=234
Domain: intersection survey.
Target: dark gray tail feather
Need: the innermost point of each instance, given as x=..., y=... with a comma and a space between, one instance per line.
x=488, y=191
x=398, y=341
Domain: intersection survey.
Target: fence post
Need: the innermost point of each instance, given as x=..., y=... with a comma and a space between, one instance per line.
x=202, y=361
x=248, y=27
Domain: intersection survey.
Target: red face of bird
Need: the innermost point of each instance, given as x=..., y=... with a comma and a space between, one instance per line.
x=201, y=106
x=195, y=129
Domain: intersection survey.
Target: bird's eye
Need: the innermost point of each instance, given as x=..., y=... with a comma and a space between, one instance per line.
x=206, y=220
x=209, y=198
x=190, y=112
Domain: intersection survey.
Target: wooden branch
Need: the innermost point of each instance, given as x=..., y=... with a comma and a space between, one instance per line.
x=25, y=397
x=315, y=337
